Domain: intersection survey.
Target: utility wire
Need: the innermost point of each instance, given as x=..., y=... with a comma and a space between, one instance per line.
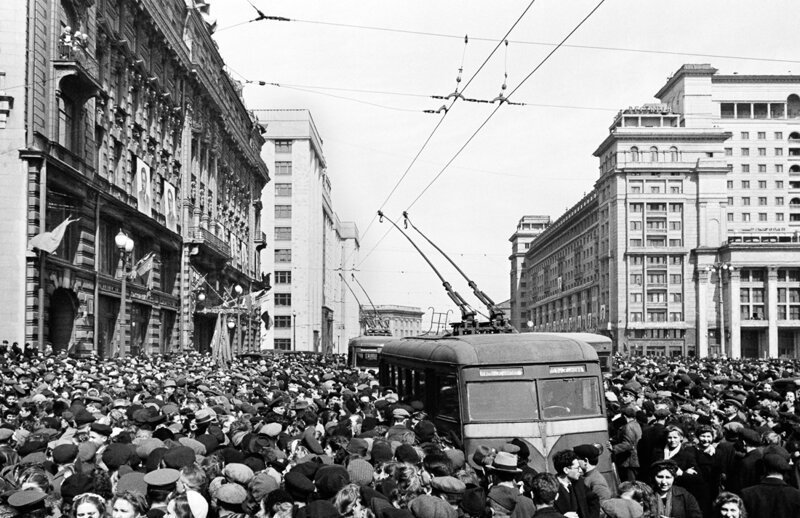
x=483, y=124
x=438, y=125
x=538, y=43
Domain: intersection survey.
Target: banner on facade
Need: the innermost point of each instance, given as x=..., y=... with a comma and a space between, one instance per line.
x=144, y=189
x=170, y=208
x=48, y=242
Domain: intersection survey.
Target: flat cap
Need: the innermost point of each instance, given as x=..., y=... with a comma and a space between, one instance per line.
x=26, y=499
x=450, y=485
x=238, y=473
x=161, y=477
x=232, y=494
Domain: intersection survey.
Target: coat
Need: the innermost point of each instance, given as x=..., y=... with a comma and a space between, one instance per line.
x=625, y=445
x=684, y=504
x=588, y=504
x=597, y=484
x=772, y=498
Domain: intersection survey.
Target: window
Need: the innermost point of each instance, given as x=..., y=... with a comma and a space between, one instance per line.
x=283, y=299
x=636, y=316
x=762, y=216
x=636, y=207
x=636, y=242
x=676, y=259
x=636, y=187
x=283, y=211
x=636, y=297
x=636, y=225
x=751, y=303
x=676, y=207
x=657, y=296
x=283, y=189
x=778, y=135
x=745, y=135
x=656, y=259
x=762, y=168
x=634, y=154
x=656, y=241
x=745, y=168
x=762, y=200
x=656, y=278
x=559, y=398
x=778, y=168
x=636, y=278
x=656, y=316
x=282, y=344
x=656, y=207
x=283, y=255
x=727, y=110
x=673, y=154
x=745, y=151
x=762, y=135
x=654, y=154
x=779, y=184
x=730, y=201
x=730, y=216
x=730, y=184
x=655, y=189
x=779, y=200
x=778, y=151
x=745, y=184
x=676, y=297
x=283, y=277
x=283, y=146
x=283, y=168
x=762, y=184
x=283, y=322
x=675, y=188
x=283, y=233
x=67, y=127
x=779, y=216
x=675, y=225
x=728, y=151
x=675, y=316
x=636, y=260
x=745, y=217
x=675, y=278
x=675, y=242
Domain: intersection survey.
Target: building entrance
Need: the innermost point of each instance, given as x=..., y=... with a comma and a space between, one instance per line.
x=63, y=304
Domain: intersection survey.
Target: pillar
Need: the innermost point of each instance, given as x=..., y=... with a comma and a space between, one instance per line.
x=735, y=317
x=772, y=312
x=703, y=278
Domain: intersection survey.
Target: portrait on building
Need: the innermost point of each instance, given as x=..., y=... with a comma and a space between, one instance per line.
x=170, y=211
x=143, y=187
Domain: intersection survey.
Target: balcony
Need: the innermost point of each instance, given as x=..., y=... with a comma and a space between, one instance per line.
x=208, y=245
x=72, y=60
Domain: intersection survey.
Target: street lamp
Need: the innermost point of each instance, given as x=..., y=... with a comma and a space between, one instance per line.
x=721, y=268
x=294, y=330
x=125, y=247
x=238, y=290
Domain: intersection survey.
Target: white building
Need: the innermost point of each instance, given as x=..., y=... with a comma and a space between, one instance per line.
x=308, y=247
x=528, y=228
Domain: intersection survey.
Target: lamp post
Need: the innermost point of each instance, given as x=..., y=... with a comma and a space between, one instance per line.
x=721, y=268
x=231, y=322
x=294, y=330
x=238, y=290
x=125, y=247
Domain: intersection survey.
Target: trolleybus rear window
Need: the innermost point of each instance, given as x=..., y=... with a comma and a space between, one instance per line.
x=569, y=397
x=502, y=400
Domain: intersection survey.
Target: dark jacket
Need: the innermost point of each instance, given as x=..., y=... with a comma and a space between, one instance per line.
x=625, y=444
x=684, y=504
x=547, y=512
x=588, y=503
x=772, y=498
x=654, y=437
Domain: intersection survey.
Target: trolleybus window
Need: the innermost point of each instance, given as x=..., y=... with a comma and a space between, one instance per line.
x=569, y=397
x=448, y=396
x=517, y=398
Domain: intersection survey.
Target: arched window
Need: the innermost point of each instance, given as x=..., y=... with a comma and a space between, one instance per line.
x=794, y=169
x=673, y=154
x=794, y=202
x=793, y=106
x=794, y=136
x=634, y=154
x=654, y=154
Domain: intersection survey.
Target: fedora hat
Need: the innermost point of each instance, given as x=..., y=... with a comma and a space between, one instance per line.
x=505, y=461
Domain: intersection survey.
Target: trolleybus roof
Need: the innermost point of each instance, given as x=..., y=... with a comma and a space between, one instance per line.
x=493, y=349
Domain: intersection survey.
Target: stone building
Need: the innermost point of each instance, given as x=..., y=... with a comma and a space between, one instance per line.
x=688, y=243
x=311, y=307
x=122, y=118
x=528, y=228
x=399, y=320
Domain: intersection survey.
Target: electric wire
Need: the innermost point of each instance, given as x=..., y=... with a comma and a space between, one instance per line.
x=497, y=108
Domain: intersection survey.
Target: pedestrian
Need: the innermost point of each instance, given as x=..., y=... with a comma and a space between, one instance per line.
x=772, y=497
x=672, y=501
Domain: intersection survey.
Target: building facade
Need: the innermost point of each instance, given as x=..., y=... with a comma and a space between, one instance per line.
x=528, y=228
x=400, y=320
x=697, y=217
x=120, y=121
x=311, y=308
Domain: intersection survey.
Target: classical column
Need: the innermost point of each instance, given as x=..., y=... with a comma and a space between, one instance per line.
x=703, y=278
x=735, y=316
x=772, y=312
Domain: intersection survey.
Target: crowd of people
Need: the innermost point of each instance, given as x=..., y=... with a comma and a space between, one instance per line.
x=305, y=436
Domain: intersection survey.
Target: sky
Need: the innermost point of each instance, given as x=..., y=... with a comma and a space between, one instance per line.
x=366, y=71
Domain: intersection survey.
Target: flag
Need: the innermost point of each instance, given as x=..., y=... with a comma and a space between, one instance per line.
x=144, y=265
x=48, y=242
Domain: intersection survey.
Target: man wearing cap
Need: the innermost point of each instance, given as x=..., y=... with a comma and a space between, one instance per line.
x=588, y=457
x=624, y=446
x=773, y=497
x=747, y=470
x=160, y=483
x=503, y=471
x=654, y=437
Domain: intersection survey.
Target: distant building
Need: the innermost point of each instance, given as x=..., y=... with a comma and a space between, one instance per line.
x=118, y=117
x=689, y=242
x=311, y=307
x=528, y=228
x=401, y=320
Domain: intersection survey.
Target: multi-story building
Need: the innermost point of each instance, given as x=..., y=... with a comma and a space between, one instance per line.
x=311, y=307
x=697, y=216
x=528, y=228
x=399, y=320
x=119, y=123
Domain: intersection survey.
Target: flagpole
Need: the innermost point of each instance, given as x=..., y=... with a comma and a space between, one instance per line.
x=40, y=320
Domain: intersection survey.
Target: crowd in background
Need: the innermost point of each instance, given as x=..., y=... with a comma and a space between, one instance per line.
x=305, y=436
